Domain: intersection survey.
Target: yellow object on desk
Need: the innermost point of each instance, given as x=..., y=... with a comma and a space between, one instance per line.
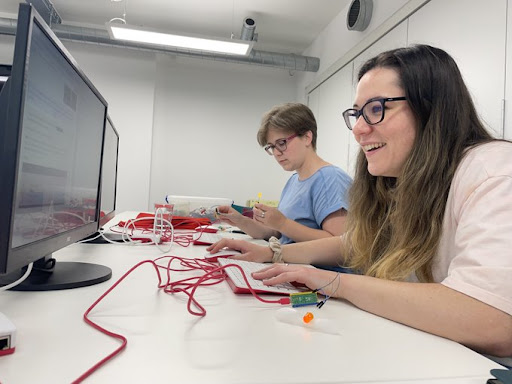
x=270, y=203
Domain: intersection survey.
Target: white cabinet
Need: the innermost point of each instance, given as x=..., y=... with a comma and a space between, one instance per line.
x=474, y=33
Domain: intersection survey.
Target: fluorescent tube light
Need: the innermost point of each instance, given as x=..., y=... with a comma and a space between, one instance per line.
x=140, y=35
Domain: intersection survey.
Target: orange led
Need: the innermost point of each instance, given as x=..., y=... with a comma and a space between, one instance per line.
x=308, y=317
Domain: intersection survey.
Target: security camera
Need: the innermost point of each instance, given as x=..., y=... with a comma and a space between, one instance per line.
x=248, y=28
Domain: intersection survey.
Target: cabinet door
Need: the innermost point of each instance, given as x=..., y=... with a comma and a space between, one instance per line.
x=330, y=100
x=474, y=33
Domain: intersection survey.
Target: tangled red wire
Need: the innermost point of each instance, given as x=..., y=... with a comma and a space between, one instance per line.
x=212, y=275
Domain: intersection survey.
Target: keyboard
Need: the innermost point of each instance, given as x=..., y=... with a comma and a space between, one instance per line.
x=237, y=282
x=206, y=238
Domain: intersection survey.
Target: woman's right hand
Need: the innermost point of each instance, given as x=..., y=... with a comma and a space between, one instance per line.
x=230, y=215
x=250, y=251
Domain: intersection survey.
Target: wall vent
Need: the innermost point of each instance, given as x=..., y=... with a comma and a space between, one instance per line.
x=359, y=14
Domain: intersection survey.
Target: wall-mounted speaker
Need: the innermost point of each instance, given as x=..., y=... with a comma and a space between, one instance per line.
x=359, y=14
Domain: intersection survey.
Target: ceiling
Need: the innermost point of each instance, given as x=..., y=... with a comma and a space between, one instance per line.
x=285, y=26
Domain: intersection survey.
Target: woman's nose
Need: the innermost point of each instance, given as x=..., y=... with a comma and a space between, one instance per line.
x=277, y=152
x=361, y=127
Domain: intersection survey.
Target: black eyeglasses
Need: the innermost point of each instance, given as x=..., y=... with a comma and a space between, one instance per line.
x=372, y=111
x=280, y=145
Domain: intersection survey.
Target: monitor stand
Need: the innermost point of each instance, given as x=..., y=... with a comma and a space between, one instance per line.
x=48, y=275
x=98, y=238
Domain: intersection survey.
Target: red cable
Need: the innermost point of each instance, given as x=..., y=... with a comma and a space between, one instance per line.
x=105, y=331
x=213, y=275
x=146, y=226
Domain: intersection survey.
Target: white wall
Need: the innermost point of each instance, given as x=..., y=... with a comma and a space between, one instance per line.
x=6, y=49
x=225, y=103
x=206, y=117
x=126, y=79
x=336, y=40
x=188, y=126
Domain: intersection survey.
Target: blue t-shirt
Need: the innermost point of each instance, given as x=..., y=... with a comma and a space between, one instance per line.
x=310, y=201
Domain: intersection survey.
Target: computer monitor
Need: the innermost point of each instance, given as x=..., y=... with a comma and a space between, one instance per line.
x=108, y=186
x=109, y=173
x=52, y=122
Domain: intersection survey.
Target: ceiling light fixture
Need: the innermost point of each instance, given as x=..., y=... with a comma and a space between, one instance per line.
x=144, y=35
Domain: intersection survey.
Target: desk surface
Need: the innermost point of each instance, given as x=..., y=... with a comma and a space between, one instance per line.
x=240, y=340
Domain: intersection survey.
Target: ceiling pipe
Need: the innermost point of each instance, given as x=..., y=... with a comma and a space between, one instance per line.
x=99, y=36
x=47, y=11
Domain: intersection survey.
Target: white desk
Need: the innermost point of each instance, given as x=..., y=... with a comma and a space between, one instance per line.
x=239, y=341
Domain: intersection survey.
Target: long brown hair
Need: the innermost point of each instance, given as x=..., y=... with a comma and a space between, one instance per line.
x=395, y=224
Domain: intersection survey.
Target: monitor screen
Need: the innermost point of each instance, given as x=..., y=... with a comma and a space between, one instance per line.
x=53, y=122
x=109, y=173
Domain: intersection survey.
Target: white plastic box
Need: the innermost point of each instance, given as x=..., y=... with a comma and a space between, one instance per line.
x=7, y=336
x=196, y=206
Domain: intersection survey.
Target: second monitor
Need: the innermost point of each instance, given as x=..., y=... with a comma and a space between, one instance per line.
x=109, y=173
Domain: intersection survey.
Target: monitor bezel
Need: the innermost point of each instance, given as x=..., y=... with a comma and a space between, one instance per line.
x=110, y=215
x=5, y=71
x=12, y=259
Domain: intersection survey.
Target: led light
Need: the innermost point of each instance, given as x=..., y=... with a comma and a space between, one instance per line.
x=129, y=33
x=308, y=317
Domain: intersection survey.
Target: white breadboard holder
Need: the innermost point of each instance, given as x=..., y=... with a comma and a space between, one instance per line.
x=184, y=205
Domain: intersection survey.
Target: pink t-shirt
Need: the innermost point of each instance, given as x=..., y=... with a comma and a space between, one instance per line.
x=475, y=251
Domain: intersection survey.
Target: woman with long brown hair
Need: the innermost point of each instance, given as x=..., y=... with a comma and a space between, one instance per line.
x=430, y=223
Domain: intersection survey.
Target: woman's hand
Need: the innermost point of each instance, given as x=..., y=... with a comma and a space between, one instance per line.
x=313, y=278
x=230, y=215
x=269, y=216
x=250, y=251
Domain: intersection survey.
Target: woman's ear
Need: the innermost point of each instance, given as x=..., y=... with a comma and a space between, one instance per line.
x=309, y=136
